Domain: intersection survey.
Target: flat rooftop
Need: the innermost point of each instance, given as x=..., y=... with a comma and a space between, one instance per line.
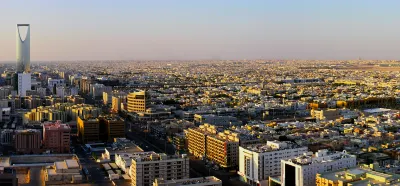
x=266, y=147
x=376, y=110
x=191, y=181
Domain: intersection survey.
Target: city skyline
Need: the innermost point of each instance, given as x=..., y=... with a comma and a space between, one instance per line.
x=181, y=30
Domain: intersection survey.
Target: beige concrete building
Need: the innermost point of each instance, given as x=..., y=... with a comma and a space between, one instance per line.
x=63, y=172
x=222, y=147
x=203, y=181
x=147, y=166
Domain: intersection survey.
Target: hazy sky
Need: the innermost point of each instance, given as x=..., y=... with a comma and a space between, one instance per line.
x=203, y=29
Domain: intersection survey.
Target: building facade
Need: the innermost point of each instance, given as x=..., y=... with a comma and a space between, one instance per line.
x=302, y=170
x=138, y=101
x=88, y=129
x=56, y=137
x=28, y=141
x=111, y=127
x=147, y=166
x=219, y=147
x=24, y=83
x=258, y=162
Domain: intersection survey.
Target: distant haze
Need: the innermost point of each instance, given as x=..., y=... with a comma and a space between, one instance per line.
x=203, y=29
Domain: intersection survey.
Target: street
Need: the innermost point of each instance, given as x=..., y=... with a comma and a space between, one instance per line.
x=97, y=175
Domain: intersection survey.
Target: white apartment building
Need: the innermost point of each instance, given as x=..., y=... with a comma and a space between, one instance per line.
x=24, y=83
x=147, y=166
x=301, y=171
x=203, y=181
x=55, y=82
x=258, y=162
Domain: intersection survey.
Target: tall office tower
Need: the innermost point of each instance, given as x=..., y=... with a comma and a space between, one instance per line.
x=23, y=61
x=23, y=50
x=138, y=101
x=56, y=137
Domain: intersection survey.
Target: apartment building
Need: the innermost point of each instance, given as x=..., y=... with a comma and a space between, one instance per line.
x=117, y=102
x=56, y=137
x=197, y=139
x=28, y=141
x=203, y=181
x=88, y=129
x=223, y=149
x=147, y=166
x=220, y=147
x=302, y=170
x=328, y=114
x=83, y=111
x=47, y=113
x=258, y=162
x=138, y=101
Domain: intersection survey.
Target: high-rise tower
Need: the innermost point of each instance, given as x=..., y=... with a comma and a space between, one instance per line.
x=23, y=50
x=23, y=75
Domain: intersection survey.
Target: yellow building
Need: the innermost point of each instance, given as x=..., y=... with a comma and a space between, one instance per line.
x=197, y=140
x=88, y=129
x=47, y=113
x=138, y=101
x=221, y=148
x=117, y=103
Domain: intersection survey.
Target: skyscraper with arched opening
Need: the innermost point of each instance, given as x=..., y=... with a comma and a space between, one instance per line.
x=23, y=50
x=23, y=61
